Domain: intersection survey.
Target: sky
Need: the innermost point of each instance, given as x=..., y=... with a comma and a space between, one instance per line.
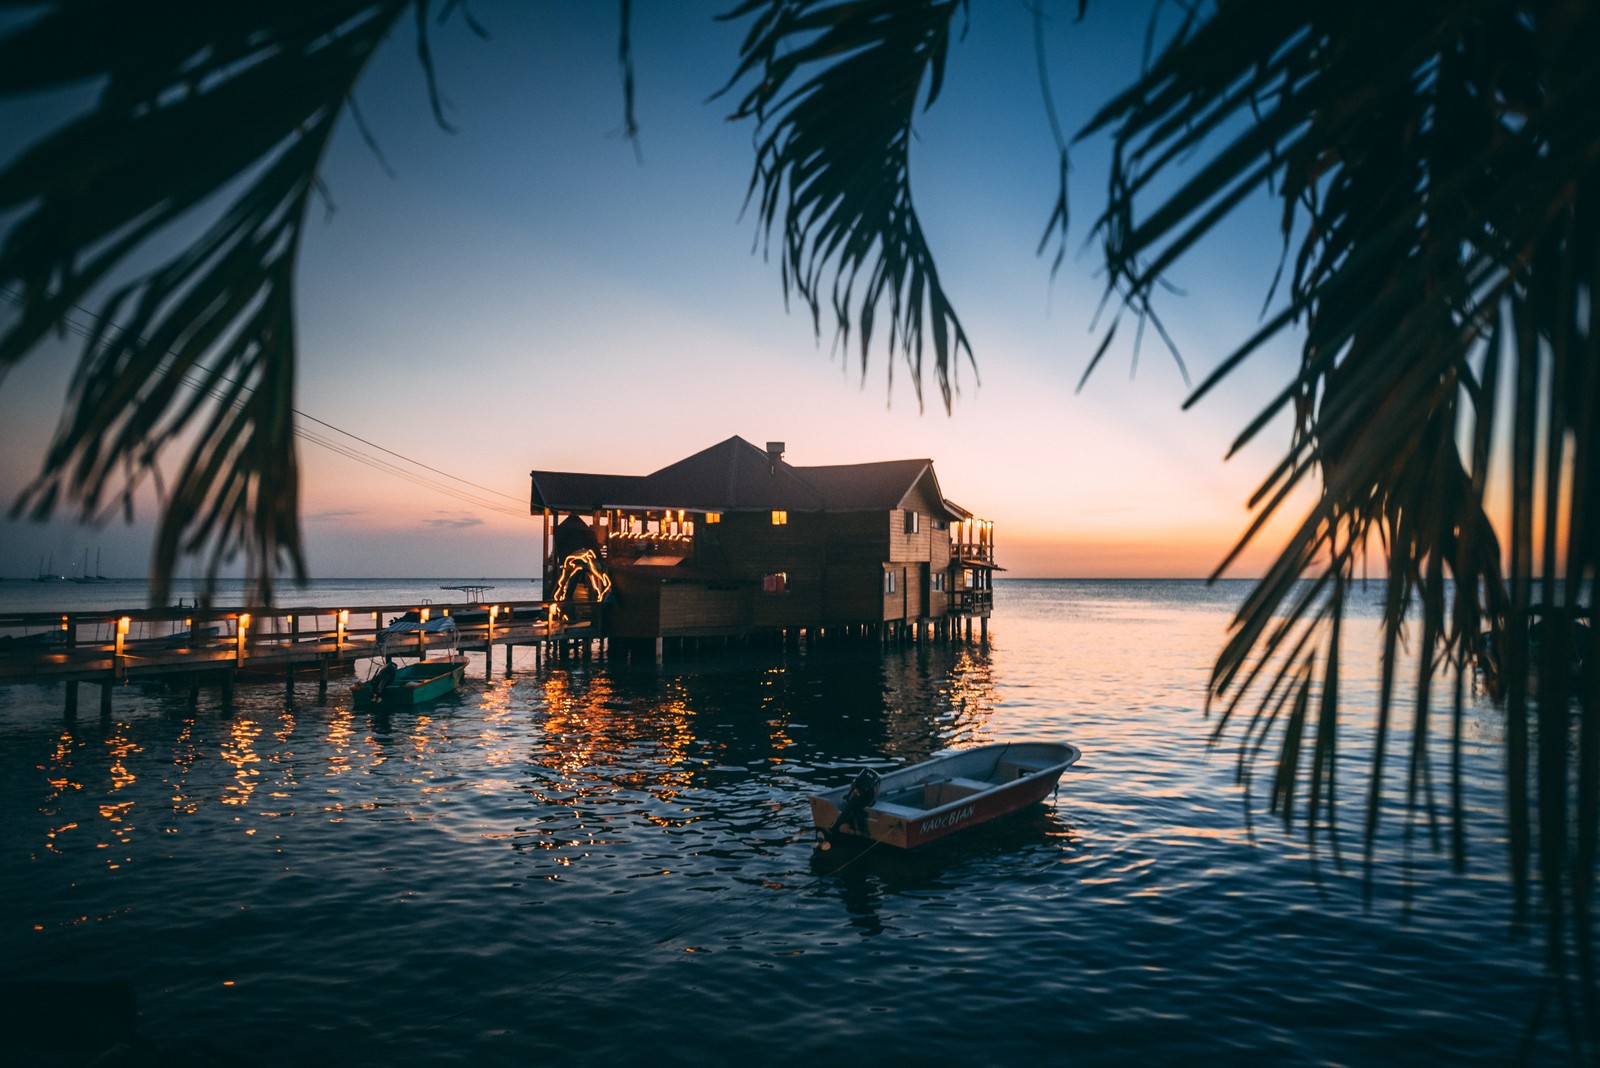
x=532, y=291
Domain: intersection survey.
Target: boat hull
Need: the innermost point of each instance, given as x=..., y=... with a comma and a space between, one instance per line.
x=415, y=684
x=949, y=794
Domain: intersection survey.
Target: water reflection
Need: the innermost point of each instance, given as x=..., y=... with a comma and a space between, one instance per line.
x=549, y=846
x=866, y=876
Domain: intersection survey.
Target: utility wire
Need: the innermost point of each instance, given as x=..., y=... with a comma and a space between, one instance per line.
x=189, y=379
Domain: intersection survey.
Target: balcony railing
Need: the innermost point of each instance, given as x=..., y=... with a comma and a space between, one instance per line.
x=972, y=602
x=973, y=551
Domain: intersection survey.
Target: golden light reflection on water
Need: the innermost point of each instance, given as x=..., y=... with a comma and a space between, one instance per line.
x=58, y=773
x=239, y=752
x=341, y=731
x=58, y=770
x=499, y=727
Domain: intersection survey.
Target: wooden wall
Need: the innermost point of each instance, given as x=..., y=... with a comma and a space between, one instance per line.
x=834, y=565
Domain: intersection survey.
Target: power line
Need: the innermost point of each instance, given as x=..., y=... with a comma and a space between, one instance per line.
x=454, y=491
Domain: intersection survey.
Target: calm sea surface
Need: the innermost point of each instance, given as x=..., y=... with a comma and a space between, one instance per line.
x=615, y=863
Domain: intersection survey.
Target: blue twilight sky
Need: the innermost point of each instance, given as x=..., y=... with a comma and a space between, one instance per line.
x=531, y=292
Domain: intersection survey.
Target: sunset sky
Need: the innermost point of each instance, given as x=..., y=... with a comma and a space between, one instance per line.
x=531, y=292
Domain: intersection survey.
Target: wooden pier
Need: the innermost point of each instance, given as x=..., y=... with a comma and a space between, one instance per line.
x=218, y=646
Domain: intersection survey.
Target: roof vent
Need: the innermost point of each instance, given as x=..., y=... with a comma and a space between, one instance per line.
x=774, y=454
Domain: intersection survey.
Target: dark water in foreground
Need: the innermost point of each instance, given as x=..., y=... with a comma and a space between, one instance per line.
x=615, y=865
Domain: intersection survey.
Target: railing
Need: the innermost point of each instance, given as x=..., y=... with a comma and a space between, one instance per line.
x=973, y=551
x=972, y=602
x=37, y=644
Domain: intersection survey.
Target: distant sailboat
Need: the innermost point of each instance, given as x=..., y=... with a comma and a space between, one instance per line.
x=97, y=576
x=47, y=573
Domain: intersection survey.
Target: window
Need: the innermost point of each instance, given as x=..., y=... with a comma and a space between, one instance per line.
x=938, y=580
x=913, y=522
x=888, y=582
x=779, y=517
x=778, y=582
x=713, y=517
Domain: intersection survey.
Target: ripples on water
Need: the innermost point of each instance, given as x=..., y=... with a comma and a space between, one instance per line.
x=616, y=864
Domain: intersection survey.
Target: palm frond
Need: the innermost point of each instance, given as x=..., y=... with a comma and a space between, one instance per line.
x=260, y=86
x=836, y=85
x=1438, y=166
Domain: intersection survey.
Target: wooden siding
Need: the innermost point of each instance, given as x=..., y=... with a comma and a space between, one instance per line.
x=634, y=608
x=706, y=608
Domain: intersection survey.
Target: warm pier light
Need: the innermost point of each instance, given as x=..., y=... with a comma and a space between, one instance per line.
x=122, y=625
x=423, y=615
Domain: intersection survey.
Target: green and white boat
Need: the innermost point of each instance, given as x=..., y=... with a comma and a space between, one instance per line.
x=393, y=685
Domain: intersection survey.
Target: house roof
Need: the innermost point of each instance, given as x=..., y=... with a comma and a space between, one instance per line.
x=734, y=475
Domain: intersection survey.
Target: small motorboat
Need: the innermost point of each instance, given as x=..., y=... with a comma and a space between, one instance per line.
x=915, y=805
x=393, y=685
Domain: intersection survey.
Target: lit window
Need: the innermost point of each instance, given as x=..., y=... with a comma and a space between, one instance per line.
x=913, y=521
x=713, y=517
x=779, y=517
x=775, y=583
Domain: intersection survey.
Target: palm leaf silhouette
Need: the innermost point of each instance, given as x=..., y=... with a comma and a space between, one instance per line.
x=1438, y=166
x=196, y=103
x=836, y=87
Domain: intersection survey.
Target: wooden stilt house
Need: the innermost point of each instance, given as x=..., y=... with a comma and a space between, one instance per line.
x=733, y=541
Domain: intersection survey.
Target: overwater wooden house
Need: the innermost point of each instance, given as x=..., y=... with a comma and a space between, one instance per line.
x=734, y=541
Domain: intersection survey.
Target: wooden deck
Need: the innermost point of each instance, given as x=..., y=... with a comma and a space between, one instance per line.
x=222, y=644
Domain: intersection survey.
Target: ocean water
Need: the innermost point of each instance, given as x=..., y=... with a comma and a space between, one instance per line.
x=614, y=863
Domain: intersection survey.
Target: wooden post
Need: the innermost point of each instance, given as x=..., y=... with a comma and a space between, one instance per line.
x=488, y=643
x=322, y=681
x=119, y=662
x=72, y=701
x=105, y=699
x=288, y=683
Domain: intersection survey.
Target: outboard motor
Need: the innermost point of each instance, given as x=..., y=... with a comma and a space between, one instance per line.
x=382, y=679
x=853, y=813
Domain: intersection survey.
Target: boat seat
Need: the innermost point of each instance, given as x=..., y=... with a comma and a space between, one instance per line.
x=971, y=785
x=902, y=812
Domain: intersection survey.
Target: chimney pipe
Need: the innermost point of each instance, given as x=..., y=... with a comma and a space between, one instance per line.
x=774, y=454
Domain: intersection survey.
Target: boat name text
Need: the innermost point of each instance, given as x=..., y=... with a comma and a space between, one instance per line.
x=949, y=819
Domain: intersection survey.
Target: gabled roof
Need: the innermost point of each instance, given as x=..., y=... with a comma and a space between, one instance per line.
x=875, y=486
x=573, y=491
x=734, y=475
x=730, y=476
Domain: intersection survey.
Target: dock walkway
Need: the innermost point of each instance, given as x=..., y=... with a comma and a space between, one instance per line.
x=221, y=644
